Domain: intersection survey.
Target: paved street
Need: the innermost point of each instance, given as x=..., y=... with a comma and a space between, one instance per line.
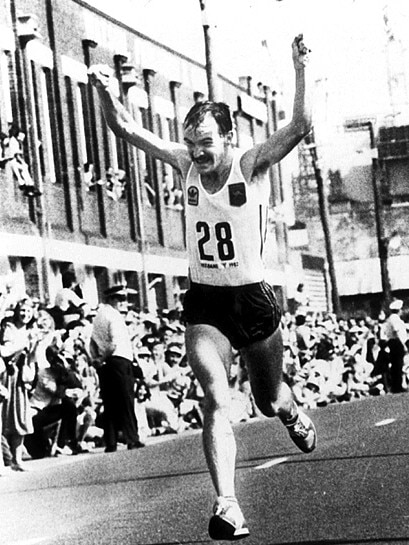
x=354, y=489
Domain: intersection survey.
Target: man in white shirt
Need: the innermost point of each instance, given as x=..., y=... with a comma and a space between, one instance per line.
x=111, y=350
x=396, y=337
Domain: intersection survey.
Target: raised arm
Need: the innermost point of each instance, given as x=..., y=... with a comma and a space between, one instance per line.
x=124, y=125
x=263, y=155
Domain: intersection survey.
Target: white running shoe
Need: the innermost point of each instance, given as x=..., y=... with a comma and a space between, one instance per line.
x=303, y=432
x=227, y=522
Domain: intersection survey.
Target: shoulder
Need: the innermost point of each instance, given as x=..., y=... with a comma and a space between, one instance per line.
x=251, y=169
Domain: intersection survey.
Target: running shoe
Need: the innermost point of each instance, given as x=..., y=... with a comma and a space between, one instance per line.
x=227, y=522
x=302, y=431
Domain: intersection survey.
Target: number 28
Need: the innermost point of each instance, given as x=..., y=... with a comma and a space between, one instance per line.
x=223, y=234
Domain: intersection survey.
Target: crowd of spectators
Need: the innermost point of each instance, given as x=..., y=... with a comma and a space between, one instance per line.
x=50, y=400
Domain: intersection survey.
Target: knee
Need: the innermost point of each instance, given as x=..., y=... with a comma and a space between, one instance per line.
x=216, y=403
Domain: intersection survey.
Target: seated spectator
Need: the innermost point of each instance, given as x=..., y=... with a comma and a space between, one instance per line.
x=142, y=395
x=13, y=154
x=54, y=413
x=68, y=305
x=86, y=398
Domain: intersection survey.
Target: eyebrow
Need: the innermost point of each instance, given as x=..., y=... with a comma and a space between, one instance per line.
x=202, y=139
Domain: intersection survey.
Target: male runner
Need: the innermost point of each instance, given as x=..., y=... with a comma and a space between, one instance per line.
x=228, y=303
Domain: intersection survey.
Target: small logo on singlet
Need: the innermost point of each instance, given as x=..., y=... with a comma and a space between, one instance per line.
x=193, y=196
x=237, y=194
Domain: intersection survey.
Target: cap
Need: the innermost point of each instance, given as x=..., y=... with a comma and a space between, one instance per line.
x=396, y=305
x=119, y=290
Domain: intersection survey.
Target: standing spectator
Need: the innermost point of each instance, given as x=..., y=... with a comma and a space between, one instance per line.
x=396, y=336
x=111, y=350
x=304, y=338
x=3, y=396
x=15, y=349
x=302, y=301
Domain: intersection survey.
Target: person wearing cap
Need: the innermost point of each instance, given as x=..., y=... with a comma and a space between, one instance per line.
x=396, y=338
x=112, y=353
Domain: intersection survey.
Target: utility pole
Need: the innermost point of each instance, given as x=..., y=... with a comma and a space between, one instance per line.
x=324, y=213
x=208, y=27
x=27, y=32
x=382, y=239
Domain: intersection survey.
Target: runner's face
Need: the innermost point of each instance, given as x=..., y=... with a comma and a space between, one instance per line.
x=206, y=146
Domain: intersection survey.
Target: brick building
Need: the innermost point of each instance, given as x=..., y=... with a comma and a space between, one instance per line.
x=99, y=207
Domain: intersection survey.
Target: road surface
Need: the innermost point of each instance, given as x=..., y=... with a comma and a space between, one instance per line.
x=354, y=489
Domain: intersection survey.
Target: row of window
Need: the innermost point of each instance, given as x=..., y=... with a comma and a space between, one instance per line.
x=84, y=125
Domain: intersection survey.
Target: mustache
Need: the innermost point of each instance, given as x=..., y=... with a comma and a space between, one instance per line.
x=201, y=159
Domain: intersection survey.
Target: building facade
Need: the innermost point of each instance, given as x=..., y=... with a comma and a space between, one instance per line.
x=76, y=197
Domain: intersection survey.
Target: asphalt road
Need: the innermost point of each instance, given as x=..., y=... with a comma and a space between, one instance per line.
x=354, y=489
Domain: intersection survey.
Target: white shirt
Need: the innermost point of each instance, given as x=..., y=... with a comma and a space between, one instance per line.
x=110, y=333
x=66, y=297
x=226, y=230
x=395, y=328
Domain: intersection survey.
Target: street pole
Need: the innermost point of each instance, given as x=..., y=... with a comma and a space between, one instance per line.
x=211, y=74
x=383, y=242
x=27, y=31
x=382, y=239
x=324, y=213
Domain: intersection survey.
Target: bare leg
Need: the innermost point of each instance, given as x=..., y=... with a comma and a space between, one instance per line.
x=264, y=360
x=209, y=354
x=273, y=396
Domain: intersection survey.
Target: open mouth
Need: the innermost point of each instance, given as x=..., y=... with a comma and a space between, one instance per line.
x=202, y=161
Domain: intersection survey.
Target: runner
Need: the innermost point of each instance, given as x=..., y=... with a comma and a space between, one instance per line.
x=229, y=304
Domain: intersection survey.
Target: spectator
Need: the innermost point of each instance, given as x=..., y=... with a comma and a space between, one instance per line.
x=304, y=338
x=302, y=301
x=13, y=154
x=16, y=350
x=54, y=413
x=3, y=396
x=68, y=305
x=396, y=337
x=112, y=353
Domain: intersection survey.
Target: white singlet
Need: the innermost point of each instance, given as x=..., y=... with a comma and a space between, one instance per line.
x=226, y=230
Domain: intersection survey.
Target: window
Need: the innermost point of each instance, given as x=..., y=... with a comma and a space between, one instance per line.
x=54, y=166
x=5, y=70
x=148, y=175
x=172, y=193
x=86, y=136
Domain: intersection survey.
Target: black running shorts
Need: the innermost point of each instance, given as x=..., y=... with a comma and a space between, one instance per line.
x=244, y=314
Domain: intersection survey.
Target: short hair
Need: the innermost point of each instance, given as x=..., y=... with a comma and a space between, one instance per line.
x=219, y=110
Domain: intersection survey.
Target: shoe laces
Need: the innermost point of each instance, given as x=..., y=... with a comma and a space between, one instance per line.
x=299, y=428
x=224, y=504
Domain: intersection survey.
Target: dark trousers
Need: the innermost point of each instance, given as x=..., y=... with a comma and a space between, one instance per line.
x=396, y=355
x=117, y=392
x=60, y=418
